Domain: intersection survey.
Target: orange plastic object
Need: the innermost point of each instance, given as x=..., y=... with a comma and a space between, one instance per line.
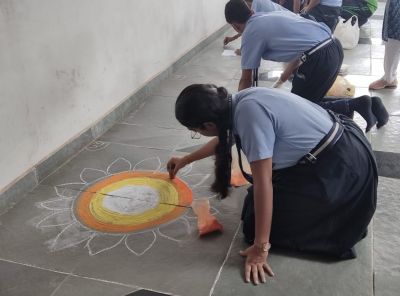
x=237, y=178
x=206, y=222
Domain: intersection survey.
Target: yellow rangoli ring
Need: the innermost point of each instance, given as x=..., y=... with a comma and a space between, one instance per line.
x=174, y=196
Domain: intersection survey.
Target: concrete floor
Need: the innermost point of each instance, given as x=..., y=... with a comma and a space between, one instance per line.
x=46, y=250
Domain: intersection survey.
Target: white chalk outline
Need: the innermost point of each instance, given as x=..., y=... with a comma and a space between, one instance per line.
x=92, y=234
x=104, y=174
x=97, y=146
x=226, y=259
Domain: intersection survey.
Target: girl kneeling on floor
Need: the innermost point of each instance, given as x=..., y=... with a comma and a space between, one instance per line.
x=313, y=172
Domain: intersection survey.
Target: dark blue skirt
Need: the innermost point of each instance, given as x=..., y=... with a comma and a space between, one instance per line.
x=323, y=207
x=391, y=20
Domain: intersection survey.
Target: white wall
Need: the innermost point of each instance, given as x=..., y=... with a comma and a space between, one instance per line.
x=66, y=63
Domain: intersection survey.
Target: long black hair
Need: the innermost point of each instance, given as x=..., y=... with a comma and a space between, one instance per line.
x=200, y=103
x=237, y=11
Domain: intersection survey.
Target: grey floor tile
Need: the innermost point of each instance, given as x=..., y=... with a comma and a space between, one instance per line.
x=24, y=242
x=156, y=111
x=376, y=32
x=376, y=23
x=365, y=31
x=361, y=66
x=377, y=67
x=361, y=80
x=376, y=40
x=20, y=280
x=172, y=86
x=74, y=286
x=380, y=11
x=377, y=17
x=301, y=276
x=377, y=51
x=177, y=258
x=388, y=164
x=361, y=91
x=386, y=228
x=10, y=197
x=387, y=284
x=387, y=137
x=390, y=97
x=146, y=136
x=360, y=51
x=207, y=73
x=365, y=40
x=212, y=57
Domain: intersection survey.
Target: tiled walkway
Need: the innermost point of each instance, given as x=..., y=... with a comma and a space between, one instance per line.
x=45, y=249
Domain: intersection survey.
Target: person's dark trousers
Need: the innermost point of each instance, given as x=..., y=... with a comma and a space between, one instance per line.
x=288, y=5
x=317, y=74
x=326, y=14
x=324, y=206
x=358, y=8
x=338, y=105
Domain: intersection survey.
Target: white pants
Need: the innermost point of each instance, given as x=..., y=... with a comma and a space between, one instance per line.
x=391, y=60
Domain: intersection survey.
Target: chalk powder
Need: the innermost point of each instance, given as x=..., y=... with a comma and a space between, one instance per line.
x=132, y=199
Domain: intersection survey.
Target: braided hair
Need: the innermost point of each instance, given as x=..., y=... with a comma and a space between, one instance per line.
x=201, y=103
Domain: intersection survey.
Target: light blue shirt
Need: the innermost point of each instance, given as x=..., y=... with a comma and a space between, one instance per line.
x=280, y=36
x=265, y=6
x=333, y=3
x=278, y=124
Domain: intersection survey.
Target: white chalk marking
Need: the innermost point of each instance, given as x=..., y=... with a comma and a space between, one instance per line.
x=145, y=250
x=226, y=259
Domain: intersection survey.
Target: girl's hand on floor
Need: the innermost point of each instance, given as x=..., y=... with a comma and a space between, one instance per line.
x=256, y=265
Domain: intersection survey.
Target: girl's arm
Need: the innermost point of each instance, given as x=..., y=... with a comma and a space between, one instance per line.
x=296, y=6
x=263, y=197
x=256, y=266
x=176, y=163
x=290, y=68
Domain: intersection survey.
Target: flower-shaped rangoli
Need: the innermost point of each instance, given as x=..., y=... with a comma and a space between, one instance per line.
x=124, y=204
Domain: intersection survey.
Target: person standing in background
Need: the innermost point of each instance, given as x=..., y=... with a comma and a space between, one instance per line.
x=391, y=35
x=292, y=5
x=325, y=11
x=363, y=9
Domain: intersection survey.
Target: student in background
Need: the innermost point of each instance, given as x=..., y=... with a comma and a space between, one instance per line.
x=256, y=6
x=292, y=5
x=313, y=54
x=390, y=34
x=326, y=11
x=363, y=9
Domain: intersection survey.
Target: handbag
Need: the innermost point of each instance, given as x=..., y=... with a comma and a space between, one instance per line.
x=348, y=32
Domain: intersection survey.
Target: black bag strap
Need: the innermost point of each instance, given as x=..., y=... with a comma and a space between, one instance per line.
x=255, y=77
x=247, y=176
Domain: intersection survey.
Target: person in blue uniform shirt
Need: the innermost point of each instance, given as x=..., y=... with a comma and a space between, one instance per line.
x=256, y=6
x=313, y=54
x=326, y=11
x=314, y=174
